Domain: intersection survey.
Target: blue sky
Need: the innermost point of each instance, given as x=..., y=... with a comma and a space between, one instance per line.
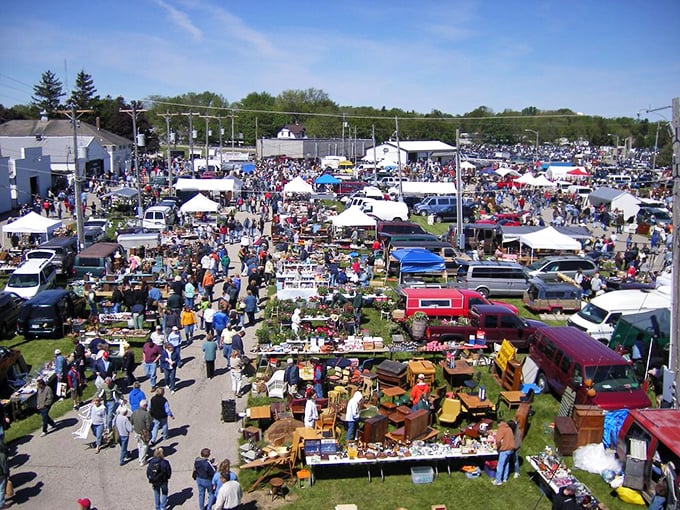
x=599, y=57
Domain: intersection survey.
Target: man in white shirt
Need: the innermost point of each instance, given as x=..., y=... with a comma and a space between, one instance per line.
x=158, y=337
x=230, y=494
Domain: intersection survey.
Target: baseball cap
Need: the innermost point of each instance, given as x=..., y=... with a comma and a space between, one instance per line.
x=421, y=376
x=85, y=502
x=57, y=351
x=158, y=327
x=175, y=328
x=289, y=361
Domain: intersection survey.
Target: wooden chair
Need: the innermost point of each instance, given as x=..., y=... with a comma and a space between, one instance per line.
x=326, y=421
x=449, y=411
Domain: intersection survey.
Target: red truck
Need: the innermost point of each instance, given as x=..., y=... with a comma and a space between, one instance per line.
x=498, y=323
x=444, y=302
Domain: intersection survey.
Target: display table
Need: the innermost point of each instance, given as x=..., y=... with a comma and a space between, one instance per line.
x=473, y=405
x=437, y=453
x=259, y=413
x=552, y=474
x=512, y=398
x=459, y=373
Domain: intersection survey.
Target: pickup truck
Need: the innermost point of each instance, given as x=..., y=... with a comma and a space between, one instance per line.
x=498, y=323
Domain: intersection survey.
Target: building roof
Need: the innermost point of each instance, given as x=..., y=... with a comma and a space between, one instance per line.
x=296, y=129
x=57, y=147
x=424, y=146
x=58, y=127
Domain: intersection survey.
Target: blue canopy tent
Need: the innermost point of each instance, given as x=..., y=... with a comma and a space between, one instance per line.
x=418, y=260
x=248, y=168
x=326, y=179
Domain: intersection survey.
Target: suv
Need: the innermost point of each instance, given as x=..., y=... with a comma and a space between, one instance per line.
x=64, y=249
x=387, y=229
x=548, y=267
x=10, y=303
x=451, y=214
x=654, y=216
x=31, y=277
x=49, y=314
x=492, y=278
x=432, y=205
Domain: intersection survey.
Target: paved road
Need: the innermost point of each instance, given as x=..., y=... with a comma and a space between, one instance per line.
x=55, y=470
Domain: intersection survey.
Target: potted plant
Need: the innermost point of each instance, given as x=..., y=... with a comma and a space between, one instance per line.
x=418, y=325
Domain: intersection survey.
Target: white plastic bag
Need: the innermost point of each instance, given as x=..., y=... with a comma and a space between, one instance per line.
x=595, y=459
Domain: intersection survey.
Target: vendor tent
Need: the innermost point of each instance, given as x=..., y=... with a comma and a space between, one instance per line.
x=548, y=239
x=219, y=185
x=298, y=185
x=32, y=223
x=613, y=199
x=466, y=165
x=353, y=217
x=503, y=171
x=558, y=172
x=123, y=193
x=326, y=179
x=418, y=260
x=542, y=182
x=200, y=203
x=527, y=178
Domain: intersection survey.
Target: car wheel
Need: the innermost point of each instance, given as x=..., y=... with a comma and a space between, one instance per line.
x=483, y=291
x=438, y=219
x=423, y=213
x=542, y=382
x=397, y=219
x=557, y=310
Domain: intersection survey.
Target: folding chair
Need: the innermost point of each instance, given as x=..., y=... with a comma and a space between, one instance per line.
x=83, y=431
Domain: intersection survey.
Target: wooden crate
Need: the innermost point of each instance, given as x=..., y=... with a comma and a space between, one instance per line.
x=565, y=435
x=424, y=367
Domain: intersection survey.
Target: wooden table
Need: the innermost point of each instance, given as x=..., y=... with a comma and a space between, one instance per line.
x=260, y=413
x=512, y=398
x=461, y=372
x=473, y=406
x=393, y=391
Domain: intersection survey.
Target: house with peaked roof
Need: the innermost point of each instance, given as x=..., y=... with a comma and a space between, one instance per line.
x=292, y=131
x=98, y=151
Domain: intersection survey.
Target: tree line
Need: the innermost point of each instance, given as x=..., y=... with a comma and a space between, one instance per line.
x=262, y=115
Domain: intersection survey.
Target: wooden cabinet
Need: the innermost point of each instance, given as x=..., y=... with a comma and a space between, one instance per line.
x=589, y=422
x=565, y=435
x=512, y=376
x=375, y=429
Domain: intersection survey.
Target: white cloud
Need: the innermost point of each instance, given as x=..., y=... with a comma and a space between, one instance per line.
x=181, y=19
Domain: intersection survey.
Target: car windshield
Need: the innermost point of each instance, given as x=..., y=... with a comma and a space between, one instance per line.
x=40, y=254
x=23, y=281
x=593, y=313
x=612, y=378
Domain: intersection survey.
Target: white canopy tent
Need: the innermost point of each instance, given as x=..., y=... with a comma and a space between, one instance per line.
x=548, y=239
x=32, y=223
x=298, y=185
x=542, y=182
x=527, y=179
x=353, y=217
x=503, y=171
x=200, y=203
x=227, y=184
x=466, y=165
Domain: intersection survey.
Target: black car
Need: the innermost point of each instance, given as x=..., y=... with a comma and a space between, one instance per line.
x=451, y=214
x=49, y=313
x=10, y=304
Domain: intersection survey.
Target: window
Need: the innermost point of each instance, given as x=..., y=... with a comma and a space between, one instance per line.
x=490, y=321
x=565, y=364
x=577, y=375
x=548, y=350
x=435, y=303
x=510, y=321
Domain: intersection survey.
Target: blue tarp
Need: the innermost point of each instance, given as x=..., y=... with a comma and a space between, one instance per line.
x=248, y=168
x=418, y=260
x=326, y=179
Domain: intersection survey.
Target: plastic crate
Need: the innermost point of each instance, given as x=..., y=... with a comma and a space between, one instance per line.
x=422, y=474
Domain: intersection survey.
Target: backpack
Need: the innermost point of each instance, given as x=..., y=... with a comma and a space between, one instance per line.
x=155, y=472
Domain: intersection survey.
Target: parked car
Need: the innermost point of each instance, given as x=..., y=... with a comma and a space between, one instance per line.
x=31, y=278
x=654, y=216
x=65, y=250
x=568, y=265
x=49, y=313
x=451, y=214
x=10, y=304
x=492, y=278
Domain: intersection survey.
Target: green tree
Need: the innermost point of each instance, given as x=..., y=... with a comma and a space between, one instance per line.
x=84, y=94
x=48, y=93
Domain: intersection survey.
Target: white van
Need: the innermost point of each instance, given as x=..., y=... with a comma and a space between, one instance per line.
x=581, y=191
x=31, y=277
x=158, y=217
x=620, y=179
x=598, y=318
x=386, y=210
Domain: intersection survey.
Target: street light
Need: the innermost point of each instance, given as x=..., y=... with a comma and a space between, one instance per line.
x=536, y=133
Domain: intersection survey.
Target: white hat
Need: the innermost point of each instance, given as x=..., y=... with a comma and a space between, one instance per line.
x=175, y=328
x=290, y=361
x=57, y=351
x=421, y=376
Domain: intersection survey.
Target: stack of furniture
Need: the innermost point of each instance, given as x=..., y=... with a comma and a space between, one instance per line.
x=421, y=366
x=391, y=373
x=584, y=426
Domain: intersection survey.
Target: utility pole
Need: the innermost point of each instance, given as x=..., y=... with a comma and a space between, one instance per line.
x=232, y=131
x=167, y=141
x=401, y=187
x=73, y=115
x=191, y=143
x=460, y=237
x=133, y=113
x=219, y=121
x=375, y=158
x=674, y=355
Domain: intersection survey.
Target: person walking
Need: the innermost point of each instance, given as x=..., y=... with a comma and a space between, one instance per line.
x=110, y=396
x=159, y=409
x=98, y=421
x=142, y=422
x=135, y=396
x=204, y=470
x=175, y=339
x=236, y=372
x=74, y=385
x=226, y=346
x=151, y=356
x=169, y=366
x=229, y=495
x=209, y=349
x=505, y=443
x=291, y=377
x=517, y=436
x=188, y=322
x=208, y=315
x=124, y=427
x=250, y=302
x=158, y=472
x=45, y=399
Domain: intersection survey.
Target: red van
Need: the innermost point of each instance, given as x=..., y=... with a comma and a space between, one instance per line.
x=444, y=302
x=567, y=356
x=657, y=435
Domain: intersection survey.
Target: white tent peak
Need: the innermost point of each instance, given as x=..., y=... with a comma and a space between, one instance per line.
x=200, y=203
x=353, y=217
